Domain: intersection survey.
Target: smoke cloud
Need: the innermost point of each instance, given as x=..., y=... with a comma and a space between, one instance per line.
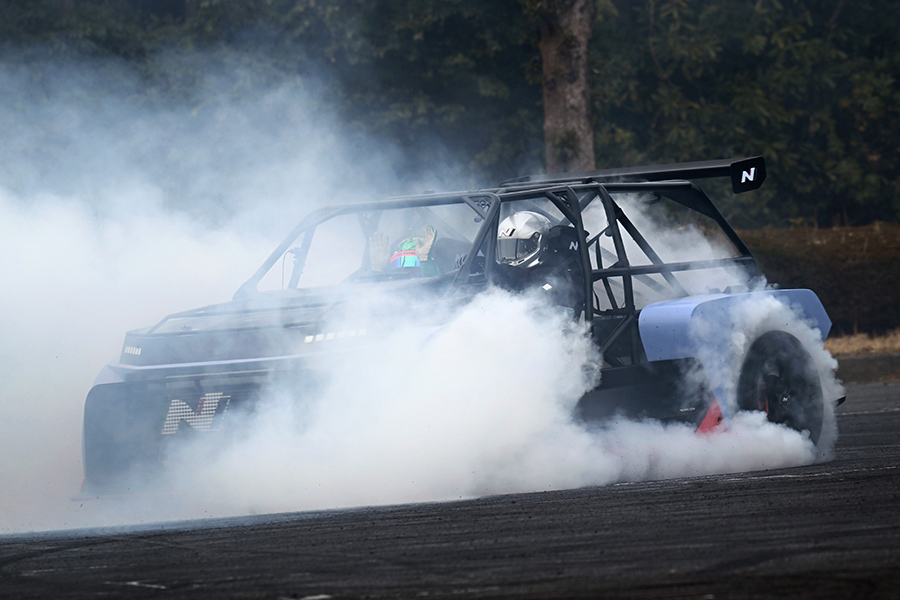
x=483, y=406
x=123, y=214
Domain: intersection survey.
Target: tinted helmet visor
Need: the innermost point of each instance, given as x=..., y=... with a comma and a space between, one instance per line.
x=511, y=250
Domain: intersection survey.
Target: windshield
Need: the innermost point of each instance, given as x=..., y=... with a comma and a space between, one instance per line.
x=374, y=243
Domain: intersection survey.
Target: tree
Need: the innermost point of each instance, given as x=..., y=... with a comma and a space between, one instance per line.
x=565, y=31
x=456, y=86
x=811, y=86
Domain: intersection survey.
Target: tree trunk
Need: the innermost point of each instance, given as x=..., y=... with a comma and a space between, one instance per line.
x=568, y=131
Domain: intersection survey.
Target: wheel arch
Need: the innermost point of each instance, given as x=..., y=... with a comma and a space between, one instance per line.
x=666, y=327
x=707, y=327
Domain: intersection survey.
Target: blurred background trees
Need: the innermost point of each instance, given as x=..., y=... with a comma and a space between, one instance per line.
x=813, y=86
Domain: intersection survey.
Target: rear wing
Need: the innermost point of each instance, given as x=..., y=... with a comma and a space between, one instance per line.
x=746, y=174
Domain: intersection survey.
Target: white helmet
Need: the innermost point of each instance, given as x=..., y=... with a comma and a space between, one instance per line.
x=522, y=237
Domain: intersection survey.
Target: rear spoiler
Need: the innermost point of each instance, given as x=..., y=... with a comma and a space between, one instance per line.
x=746, y=173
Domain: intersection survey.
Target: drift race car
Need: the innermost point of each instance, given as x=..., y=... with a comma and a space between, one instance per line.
x=640, y=256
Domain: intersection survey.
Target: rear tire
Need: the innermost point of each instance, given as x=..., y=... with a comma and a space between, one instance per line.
x=780, y=378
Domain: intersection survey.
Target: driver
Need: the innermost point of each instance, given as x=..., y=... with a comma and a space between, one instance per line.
x=533, y=253
x=523, y=239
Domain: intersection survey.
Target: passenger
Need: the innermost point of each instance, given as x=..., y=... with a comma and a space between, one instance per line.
x=414, y=251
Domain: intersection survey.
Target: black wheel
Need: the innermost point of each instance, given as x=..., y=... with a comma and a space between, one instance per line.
x=779, y=377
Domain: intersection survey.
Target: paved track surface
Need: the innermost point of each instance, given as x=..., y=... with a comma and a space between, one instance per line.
x=823, y=531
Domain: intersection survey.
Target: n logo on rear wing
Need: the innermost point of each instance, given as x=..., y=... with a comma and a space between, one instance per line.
x=747, y=174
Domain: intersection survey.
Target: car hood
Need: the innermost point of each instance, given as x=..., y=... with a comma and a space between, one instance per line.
x=287, y=324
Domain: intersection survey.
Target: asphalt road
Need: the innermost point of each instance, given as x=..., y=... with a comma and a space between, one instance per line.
x=822, y=531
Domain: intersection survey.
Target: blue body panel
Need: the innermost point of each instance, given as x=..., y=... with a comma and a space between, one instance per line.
x=676, y=329
x=665, y=326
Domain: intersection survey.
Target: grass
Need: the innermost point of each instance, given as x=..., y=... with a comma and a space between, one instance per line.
x=862, y=343
x=854, y=270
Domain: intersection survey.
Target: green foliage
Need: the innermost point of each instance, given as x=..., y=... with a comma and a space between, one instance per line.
x=813, y=86
x=95, y=26
x=438, y=79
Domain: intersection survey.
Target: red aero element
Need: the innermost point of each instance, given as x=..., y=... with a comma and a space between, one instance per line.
x=713, y=421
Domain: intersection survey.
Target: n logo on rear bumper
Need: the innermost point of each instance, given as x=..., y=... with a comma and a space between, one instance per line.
x=207, y=417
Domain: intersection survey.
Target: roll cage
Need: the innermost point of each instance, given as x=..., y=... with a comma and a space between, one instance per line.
x=609, y=273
